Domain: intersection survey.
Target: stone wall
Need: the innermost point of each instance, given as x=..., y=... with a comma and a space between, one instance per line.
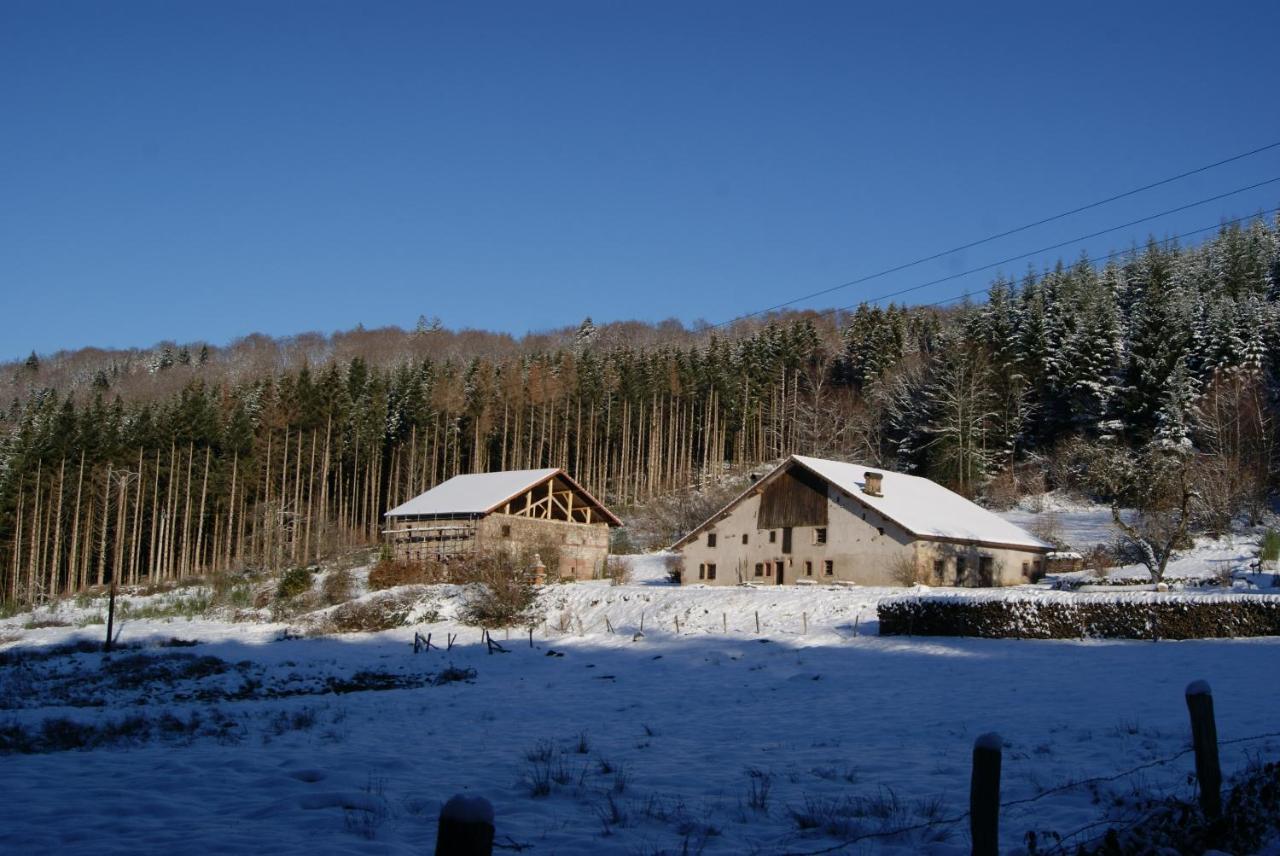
x=580, y=548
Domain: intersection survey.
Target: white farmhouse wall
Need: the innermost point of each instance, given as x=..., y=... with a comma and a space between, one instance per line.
x=862, y=546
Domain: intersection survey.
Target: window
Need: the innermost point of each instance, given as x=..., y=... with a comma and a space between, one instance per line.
x=759, y=569
x=702, y=572
x=773, y=536
x=986, y=570
x=711, y=539
x=960, y=563
x=711, y=571
x=828, y=568
x=744, y=537
x=820, y=535
x=1026, y=569
x=506, y=531
x=939, y=569
x=808, y=568
x=768, y=569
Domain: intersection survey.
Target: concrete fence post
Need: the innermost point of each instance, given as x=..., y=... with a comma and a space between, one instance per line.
x=984, y=795
x=466, y=827
x=1204, y=739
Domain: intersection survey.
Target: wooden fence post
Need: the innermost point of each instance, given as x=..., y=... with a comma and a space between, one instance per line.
x=1204, y=739
x=466, y=827
x=984, y=795
x=804, y=616
x=757, y=622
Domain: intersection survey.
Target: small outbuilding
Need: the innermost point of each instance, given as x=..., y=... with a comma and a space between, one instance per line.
x=812, y=520
x=520, y=511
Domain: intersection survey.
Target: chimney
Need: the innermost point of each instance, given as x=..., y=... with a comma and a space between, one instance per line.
x=872, y=486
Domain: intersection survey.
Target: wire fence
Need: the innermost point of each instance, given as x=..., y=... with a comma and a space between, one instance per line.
x=1062, y=843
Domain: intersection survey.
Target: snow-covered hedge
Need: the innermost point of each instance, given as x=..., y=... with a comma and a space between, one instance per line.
x=1063, y=615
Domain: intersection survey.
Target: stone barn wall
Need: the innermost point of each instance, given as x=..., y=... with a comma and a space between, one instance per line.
x=581, y=548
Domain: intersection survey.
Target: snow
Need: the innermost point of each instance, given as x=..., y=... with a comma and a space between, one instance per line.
x=681, y=730
x=476, y=493
x=923, y=507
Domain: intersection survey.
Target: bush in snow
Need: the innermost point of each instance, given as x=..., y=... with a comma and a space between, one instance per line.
x=295, y=581
x=617, y=570
x=1139, y=616
x=501, y=591
x=389, y=573
x=338, y=587
x=1269, y=548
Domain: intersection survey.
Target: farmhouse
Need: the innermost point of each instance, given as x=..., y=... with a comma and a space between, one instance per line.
x=542, y=511
x=820, y=521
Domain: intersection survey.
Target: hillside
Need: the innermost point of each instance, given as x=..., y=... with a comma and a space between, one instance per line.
x=186, y=459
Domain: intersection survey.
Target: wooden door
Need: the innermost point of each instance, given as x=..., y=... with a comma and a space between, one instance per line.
x=780, y=569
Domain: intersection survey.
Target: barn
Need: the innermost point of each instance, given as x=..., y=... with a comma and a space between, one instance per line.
x=542, y=511
x=812, y=520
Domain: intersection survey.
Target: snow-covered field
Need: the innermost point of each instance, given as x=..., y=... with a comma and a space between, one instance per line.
x=715, y=739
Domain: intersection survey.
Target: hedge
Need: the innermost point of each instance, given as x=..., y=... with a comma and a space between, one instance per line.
x=1061, y=615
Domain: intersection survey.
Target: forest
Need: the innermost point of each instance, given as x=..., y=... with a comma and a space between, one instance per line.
x=148, y=465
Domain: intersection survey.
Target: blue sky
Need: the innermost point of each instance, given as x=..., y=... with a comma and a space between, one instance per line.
x=200, y=171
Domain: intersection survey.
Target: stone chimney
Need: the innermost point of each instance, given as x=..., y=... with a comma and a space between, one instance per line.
x=872, y=486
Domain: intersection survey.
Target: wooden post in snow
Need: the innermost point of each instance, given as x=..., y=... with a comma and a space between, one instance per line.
x=466, y=827
x=1204, y=739
x=984, y=795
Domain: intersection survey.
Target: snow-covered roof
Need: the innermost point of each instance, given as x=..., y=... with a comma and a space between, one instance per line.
x=923, y=507
x=483, y=493
x=478, y=493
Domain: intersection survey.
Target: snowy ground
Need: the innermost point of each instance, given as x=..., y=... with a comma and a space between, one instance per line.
x=810, y=732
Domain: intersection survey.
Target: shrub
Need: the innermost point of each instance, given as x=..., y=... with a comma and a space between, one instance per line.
x=390, y=573
x=1269, y=549
x=1048, y=527
x=372, y=614
x=295, y=581
x=338, y=587
x=617, y=570
x=905, y=570
x=502, y=591
x=674, y=563
x=1082, y=615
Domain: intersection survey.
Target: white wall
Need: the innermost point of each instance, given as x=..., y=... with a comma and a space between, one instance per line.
x=863, y=547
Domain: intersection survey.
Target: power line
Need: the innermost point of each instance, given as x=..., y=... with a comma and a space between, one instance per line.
x=1062, y=244
x=1005, y=234
x=1092, y=261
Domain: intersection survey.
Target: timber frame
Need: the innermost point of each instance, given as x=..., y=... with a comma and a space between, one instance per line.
x=557, y=498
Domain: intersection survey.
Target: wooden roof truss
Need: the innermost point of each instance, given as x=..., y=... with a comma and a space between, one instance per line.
x=552, y=500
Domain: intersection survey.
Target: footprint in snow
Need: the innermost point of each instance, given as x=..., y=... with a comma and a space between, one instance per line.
x=308, y=775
